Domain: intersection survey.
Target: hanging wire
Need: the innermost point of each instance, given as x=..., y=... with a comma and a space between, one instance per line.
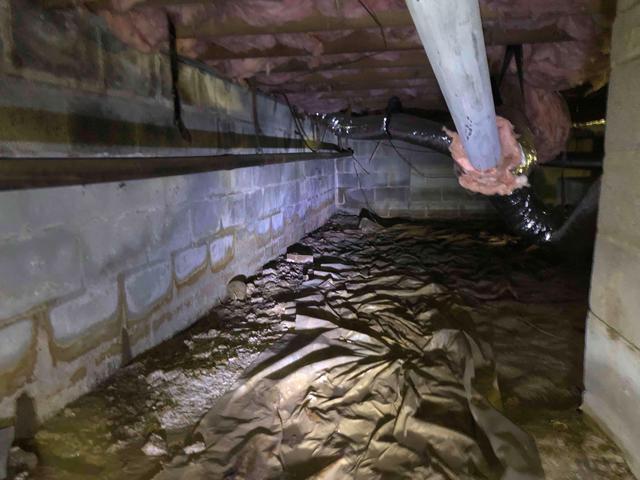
x=375, y=19
x=298, y=123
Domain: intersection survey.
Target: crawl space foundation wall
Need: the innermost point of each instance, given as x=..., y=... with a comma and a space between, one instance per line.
x=612, y=360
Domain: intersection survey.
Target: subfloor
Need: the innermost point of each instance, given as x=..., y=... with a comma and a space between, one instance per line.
x=415, y=350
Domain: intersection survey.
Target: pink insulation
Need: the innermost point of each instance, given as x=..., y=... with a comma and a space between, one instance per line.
x=550, y=122
x=495, y=181
x=532, y=9
x=549, y=67
x=145, y=29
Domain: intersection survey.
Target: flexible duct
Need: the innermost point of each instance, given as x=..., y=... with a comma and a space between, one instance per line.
x=524, y=213
x=399, y=126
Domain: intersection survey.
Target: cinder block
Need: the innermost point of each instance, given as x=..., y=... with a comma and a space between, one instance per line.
x=144, y=288
x=291, y=193
x=372, y=180
x=291, y=171
x=272, y=199
x=612, y=386
x=386, y=159
x=426, y=194
x=619, y=197
x=614, y=285
x=358, y=198
x=242, y=179
x=277, y=223
x=174, y=233
x=15, y=340
x=625, y=41
x=313, y=168
x=37, y=270
x=444, y=209
x=253, y=205
x=268, y=175
x=480, y=207
x=189, y=261
x=233, y=210
x=392, y=195
x=322, y=183
x=221, y=251
x=263, y=226
x=347, y=180
x=399, y=177
x=451, y=190
x=74, y=318
x=205, y=218
x=192, y=188
x=114, y=244
x=345, y=165
x=623, y=109
x=363, y=148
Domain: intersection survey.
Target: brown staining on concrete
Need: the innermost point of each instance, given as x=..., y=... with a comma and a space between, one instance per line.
x=21, y=369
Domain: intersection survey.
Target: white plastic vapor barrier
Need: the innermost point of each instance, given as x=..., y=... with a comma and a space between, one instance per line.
x=451, y=33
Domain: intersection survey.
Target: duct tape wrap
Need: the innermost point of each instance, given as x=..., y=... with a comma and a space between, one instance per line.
x=529, y=156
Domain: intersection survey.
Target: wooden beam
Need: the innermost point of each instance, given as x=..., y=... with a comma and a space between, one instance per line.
x=21, y=173
x=368, y=77
x=314, y=22
x=411, y=59
x=369, y=41
x=358, y=42
x=317, y=22
x=299, y=87
x=590, y=7
x=368, y=103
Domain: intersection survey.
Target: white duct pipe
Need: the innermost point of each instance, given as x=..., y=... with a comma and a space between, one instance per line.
x=451, y=33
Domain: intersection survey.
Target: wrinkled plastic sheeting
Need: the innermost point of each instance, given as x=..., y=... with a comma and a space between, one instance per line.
x=375, y=381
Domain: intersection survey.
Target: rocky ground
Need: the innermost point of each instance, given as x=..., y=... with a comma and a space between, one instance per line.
x=527, y=305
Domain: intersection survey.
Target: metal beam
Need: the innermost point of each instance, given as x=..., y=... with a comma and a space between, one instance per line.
x=22, y=173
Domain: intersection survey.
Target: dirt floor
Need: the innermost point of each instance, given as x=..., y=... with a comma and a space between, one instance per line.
x=521, y=308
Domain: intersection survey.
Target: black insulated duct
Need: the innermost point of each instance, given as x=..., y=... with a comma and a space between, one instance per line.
x=399, y=126
x=523, y=212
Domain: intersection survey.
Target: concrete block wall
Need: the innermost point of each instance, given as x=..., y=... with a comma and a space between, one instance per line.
x=66, y=81
x=93, y=275
x=612, y=357
x=405, y=181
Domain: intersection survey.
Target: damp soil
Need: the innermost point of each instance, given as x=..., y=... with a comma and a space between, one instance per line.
x=527, y=304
